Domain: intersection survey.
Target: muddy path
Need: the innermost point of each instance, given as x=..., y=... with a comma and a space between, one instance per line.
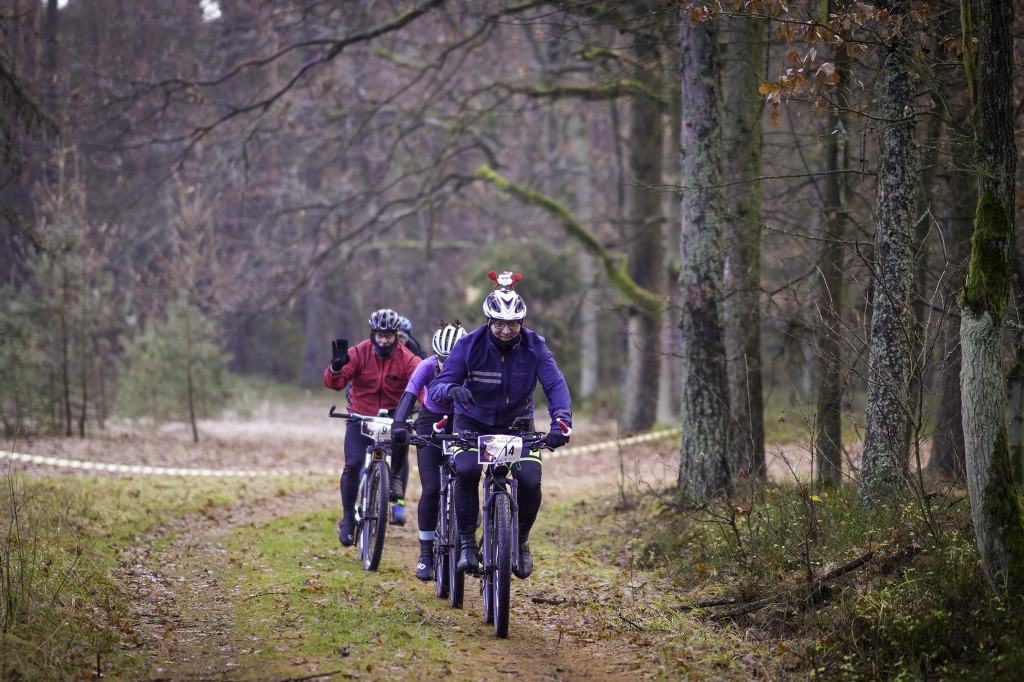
x=186, y=612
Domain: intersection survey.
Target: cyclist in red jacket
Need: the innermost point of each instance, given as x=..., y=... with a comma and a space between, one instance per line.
x=376, y=372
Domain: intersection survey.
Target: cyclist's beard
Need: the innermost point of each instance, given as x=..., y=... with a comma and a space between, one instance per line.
x=384, y=351
x=504, y=346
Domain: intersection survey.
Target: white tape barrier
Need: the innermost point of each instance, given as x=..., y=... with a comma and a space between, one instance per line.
x=109, y=467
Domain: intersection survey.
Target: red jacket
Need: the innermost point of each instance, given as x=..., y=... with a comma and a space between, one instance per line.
x=376, y=382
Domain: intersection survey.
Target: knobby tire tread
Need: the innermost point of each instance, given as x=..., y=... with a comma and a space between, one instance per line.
x=456, y=578
x=502, y=574
x=377, y=514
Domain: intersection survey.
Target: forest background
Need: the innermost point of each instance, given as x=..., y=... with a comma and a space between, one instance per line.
x=723, y=214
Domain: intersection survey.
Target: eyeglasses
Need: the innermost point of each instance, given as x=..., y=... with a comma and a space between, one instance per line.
x=511, y=326
x=384, y=336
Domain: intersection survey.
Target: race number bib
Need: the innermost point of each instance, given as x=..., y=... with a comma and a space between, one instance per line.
x=378, y=429
x=499, y=448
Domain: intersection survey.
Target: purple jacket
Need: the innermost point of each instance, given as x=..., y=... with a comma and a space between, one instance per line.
x=503, y=384
x=420, y=379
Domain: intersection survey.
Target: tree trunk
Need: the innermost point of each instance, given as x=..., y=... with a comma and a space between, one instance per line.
x=314, y=353
x=885, y=447
x=744, y=66
x=995, y=502
x=947, y=458
x=828, y=444
x=704, y=461
x=589, y=347
x=646, y=255
x=669, y=388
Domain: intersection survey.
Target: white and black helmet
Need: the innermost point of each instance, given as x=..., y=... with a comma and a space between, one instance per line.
x=445, y=338
x=505, y=305
x=385, y=320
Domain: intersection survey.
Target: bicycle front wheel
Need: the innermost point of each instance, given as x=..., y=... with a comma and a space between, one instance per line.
x=501, y=577
x=441, y=550
x=375, y=522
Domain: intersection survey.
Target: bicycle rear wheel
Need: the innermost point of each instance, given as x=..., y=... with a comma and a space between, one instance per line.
x=375, y=520
x=501, y=576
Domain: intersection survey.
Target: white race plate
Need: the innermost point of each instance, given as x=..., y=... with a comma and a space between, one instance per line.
x=499, y=448
x=378, y=429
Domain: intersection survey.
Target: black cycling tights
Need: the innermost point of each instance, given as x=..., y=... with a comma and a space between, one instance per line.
x=429, y=458
x=527, y=472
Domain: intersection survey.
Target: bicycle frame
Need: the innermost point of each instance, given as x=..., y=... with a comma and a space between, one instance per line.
x=500, y=515
x=449, y=582
x=374, y=486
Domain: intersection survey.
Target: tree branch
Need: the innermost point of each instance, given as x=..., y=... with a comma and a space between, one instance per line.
x=644, y=299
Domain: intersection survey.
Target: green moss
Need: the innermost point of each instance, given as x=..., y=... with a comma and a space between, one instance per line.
x=617, y=275
x=988, y=277
x=1003, y=505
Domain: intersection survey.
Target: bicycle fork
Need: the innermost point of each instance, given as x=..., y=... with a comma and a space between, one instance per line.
x=372, y=454
x=493, y=487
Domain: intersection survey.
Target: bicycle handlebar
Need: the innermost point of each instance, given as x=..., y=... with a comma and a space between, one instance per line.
x=468, y=439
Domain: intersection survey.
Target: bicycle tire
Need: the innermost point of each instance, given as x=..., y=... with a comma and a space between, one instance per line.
x=375, y=523
x=441, y=550
x=501, y=576
x=456, y=578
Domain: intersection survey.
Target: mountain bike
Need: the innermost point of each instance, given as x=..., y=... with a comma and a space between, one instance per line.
x=374, y=486
x=449, y=582
x=500, y=514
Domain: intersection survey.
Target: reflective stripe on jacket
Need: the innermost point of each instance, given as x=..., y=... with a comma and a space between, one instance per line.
x=503, y=384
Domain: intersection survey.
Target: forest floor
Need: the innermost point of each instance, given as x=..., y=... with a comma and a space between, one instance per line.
x=191, y=621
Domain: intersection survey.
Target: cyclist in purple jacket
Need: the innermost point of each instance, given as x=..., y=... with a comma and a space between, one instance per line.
x=490, y=377
x=428, y=457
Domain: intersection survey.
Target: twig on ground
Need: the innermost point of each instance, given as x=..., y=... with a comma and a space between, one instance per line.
x=821, y=590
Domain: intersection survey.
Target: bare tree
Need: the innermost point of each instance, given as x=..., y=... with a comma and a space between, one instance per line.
x=744, y=65
x=705, y=447
x=645, y=220
x=885, y=456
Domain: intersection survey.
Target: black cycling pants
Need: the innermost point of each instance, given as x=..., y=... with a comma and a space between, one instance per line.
x=429, y=459
x=526, y=471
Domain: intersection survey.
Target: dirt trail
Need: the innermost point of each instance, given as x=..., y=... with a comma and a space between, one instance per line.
x=186, y=617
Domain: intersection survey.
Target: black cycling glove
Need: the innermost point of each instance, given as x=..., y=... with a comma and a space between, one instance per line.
x=399, y=435
x=555, y=439
x=339, y=350
x=460, y=394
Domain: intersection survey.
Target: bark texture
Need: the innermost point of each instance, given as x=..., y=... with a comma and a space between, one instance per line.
x=704, y=465
x=885, y=457
x=995, y=504
x=646, y=250
x=744, y=63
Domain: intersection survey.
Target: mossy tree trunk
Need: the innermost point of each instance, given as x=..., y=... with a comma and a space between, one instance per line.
x=885, y=458
x=704, y=463
x=744, y=50
x=995, y=503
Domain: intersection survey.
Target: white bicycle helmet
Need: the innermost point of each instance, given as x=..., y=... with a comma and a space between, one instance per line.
x=385, y=320
x=505, y=305
x=445, y=338
x=404, y=325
